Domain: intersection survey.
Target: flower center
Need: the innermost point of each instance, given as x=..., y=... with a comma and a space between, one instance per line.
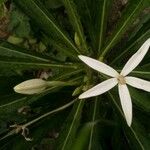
x=121, y=79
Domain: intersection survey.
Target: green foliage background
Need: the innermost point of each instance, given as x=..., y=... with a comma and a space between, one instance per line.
x=42, y=39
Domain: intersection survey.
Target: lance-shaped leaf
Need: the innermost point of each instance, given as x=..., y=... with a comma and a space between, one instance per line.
x=138, y=131
x=87, y=18
x=62, y=48
x=25, y=64
x=36, y=10
x=14, y=102
x=132, y=10
x=142, y=73
x=13, y=51
x=133, y=43
x=76, y=23
x=94, y=143
x=68, y=133
x=103, y=10
x=83, y=137
x=140, y=99
x=133, y=134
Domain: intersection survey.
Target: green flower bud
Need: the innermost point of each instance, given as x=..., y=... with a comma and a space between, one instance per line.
x=77, y=39
x=14, y=40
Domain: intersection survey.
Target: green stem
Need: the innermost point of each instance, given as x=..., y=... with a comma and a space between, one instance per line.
x=50, y=113
x=60, y=83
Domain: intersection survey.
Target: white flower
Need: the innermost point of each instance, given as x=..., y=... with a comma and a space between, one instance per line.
x=119, y=79
x=32, y=86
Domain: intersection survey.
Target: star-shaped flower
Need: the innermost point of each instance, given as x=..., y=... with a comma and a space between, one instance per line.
x=119, y=79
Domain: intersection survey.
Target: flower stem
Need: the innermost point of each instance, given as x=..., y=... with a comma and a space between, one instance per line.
x=49, y=113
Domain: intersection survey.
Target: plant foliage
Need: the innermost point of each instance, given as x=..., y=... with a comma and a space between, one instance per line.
x=46, y=37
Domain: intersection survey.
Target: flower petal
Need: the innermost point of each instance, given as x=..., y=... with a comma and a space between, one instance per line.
x=32, y=86
x=99, y=66
x=138, y=83
x=125, y=102
x=136, y=58
x=100, y=88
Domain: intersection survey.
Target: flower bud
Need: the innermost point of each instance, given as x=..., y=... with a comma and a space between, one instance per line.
x=32, y=86
x=77, y=39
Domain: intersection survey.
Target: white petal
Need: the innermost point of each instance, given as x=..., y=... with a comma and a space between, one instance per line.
x=100, y=88
x=126, y=102
x=99, y=66
x=136, y=58
x=31, y=86
x=138, y=83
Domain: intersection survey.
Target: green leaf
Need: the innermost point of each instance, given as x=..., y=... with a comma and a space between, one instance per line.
x=142, y=73
x=36, y=10
x=94, y=143
x=36, y=134
x=53, y=4
x=13, y=51
x=19, y=24
x=68, y=133
x=87, y=20
x=75, y=20
x=104, y=7
x=141, y=99
x=39, y=134
x=144, y=20
x=142, y=139
x=13, y=105
x=132, y=10
x=60, y=47
x=25, y=64
x=134, y=43
x=2, y=1
x=137, y=140
x=83, y=137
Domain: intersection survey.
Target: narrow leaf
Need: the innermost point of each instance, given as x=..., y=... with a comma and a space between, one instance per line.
x=83, y=137
x=24, y=64
x=68, y=133
x=104, y=7
x=13, y=51
x=138, y=140
x=94, y=143
x=75, y=20
x=141, y=99
x=134, y=43
x=141, y=135
x=132, y=10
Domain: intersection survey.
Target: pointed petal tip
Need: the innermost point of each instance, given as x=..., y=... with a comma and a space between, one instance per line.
x=83, y=95
x=129, y=122
x=81, y=56
x=80, y=97
x=126, y=103
x=148, y=40
x=15, y=88
x=134, y=61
